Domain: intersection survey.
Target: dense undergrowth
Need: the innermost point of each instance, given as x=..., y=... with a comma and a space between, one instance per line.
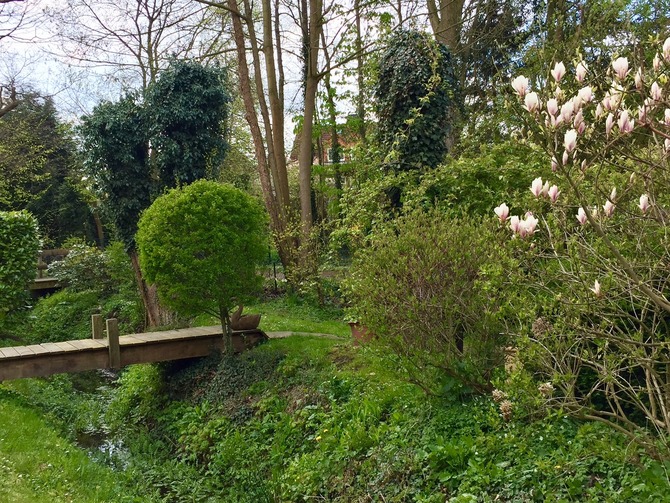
x=296, y=419
x=315, y=419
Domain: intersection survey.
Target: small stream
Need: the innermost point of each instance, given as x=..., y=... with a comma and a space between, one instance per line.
x=95, y=438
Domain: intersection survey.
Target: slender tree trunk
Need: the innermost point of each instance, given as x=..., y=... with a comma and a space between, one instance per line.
x=276, y=209
x=314, y=26
x=148, y=294
x=360, y=98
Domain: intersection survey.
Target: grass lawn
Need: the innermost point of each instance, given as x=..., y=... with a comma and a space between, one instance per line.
x=38, y=465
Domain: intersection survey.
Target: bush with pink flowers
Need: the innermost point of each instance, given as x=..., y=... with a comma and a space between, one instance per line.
x=595, y=242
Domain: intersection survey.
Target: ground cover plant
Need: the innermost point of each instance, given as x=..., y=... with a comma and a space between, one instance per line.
x=301, y=418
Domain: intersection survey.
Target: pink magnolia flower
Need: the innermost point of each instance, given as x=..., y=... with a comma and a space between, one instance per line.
x=581, y=216
x=514, y=223
x=626, y=124
x=642, y=114
x=608, y=124
x=596, y=288
x=580, y=71
x=666, y=49
x=552, y=106
x=638, y=79
x=502, y=211
x=657, y=62
x=620, y=67
x=520, y=85
x=553, y=193
x=579, y=123
x=527, y=225
x=613, y=194
x=565, y=158
x=667, y=117
x=554, y=163
x=666, y=145
x=608, y=208
x=586, y=94
x=545, y=189
x=656, y=93
x=567, y=109
x=532, y=102
x=558, y=71
x=599, y=110
x=536, y=187
x=570, y=140
x=644, y=203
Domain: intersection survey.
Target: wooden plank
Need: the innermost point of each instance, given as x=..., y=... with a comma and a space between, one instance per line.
x=52, y=347
x=129, y=340
x=85, y=344
x=10, y=352
x=37, y=349
x=67, y=346
x=24, y=350
x=50, y=363
x=113, y=341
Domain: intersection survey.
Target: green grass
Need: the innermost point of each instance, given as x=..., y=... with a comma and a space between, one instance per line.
x=38, y=465
x=288, y=314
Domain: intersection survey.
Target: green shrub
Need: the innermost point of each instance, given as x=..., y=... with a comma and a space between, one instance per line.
x=201, y=246
x=137, y=399
x=429, y=287
x=19, y=243
x=83, y=268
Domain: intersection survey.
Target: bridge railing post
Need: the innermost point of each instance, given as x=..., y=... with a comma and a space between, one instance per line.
x=113, y=343
x=97, y=326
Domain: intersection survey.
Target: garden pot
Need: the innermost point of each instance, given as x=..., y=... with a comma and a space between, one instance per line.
x=360, y=333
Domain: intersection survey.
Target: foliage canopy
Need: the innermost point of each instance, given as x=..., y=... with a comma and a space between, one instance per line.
x=201, y=244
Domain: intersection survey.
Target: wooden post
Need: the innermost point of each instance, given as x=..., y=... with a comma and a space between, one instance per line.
x=113, y=343
x=97, y=326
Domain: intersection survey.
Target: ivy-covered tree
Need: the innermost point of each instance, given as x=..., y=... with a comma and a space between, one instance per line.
x=416, y=100
x=139, y=146
x=188, y=109
x=201, y=245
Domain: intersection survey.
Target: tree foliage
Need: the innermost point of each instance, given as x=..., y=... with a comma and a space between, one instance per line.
x=416, y=100
x=137, y=147
x=187, y=108
x=19, y=243
x=200, y=245
x=116, y=143
x=39, y=169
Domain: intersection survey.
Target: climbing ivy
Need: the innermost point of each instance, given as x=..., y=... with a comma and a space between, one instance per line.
x=171, y=135
x=415, y=100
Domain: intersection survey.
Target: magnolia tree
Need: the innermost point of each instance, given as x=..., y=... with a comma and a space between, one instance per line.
x=596, y=241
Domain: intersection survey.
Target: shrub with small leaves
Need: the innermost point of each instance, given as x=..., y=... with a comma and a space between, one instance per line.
x=19, y=244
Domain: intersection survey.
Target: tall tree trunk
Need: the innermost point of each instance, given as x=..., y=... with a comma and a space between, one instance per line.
x=314, y=26
x=446, y=17
x=360, y=77
x=276, y=209
x=148, y=293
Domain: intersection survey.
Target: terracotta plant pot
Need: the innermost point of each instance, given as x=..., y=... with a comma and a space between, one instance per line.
x=360, y=333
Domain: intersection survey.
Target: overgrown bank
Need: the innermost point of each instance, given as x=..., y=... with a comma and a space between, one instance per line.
x=305, y=419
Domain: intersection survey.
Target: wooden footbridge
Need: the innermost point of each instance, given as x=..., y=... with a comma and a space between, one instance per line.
x=106, y=349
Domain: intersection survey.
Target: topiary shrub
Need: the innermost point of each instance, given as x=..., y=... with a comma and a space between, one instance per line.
x=429, y=288
x=201, y=246
x=19, y=244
